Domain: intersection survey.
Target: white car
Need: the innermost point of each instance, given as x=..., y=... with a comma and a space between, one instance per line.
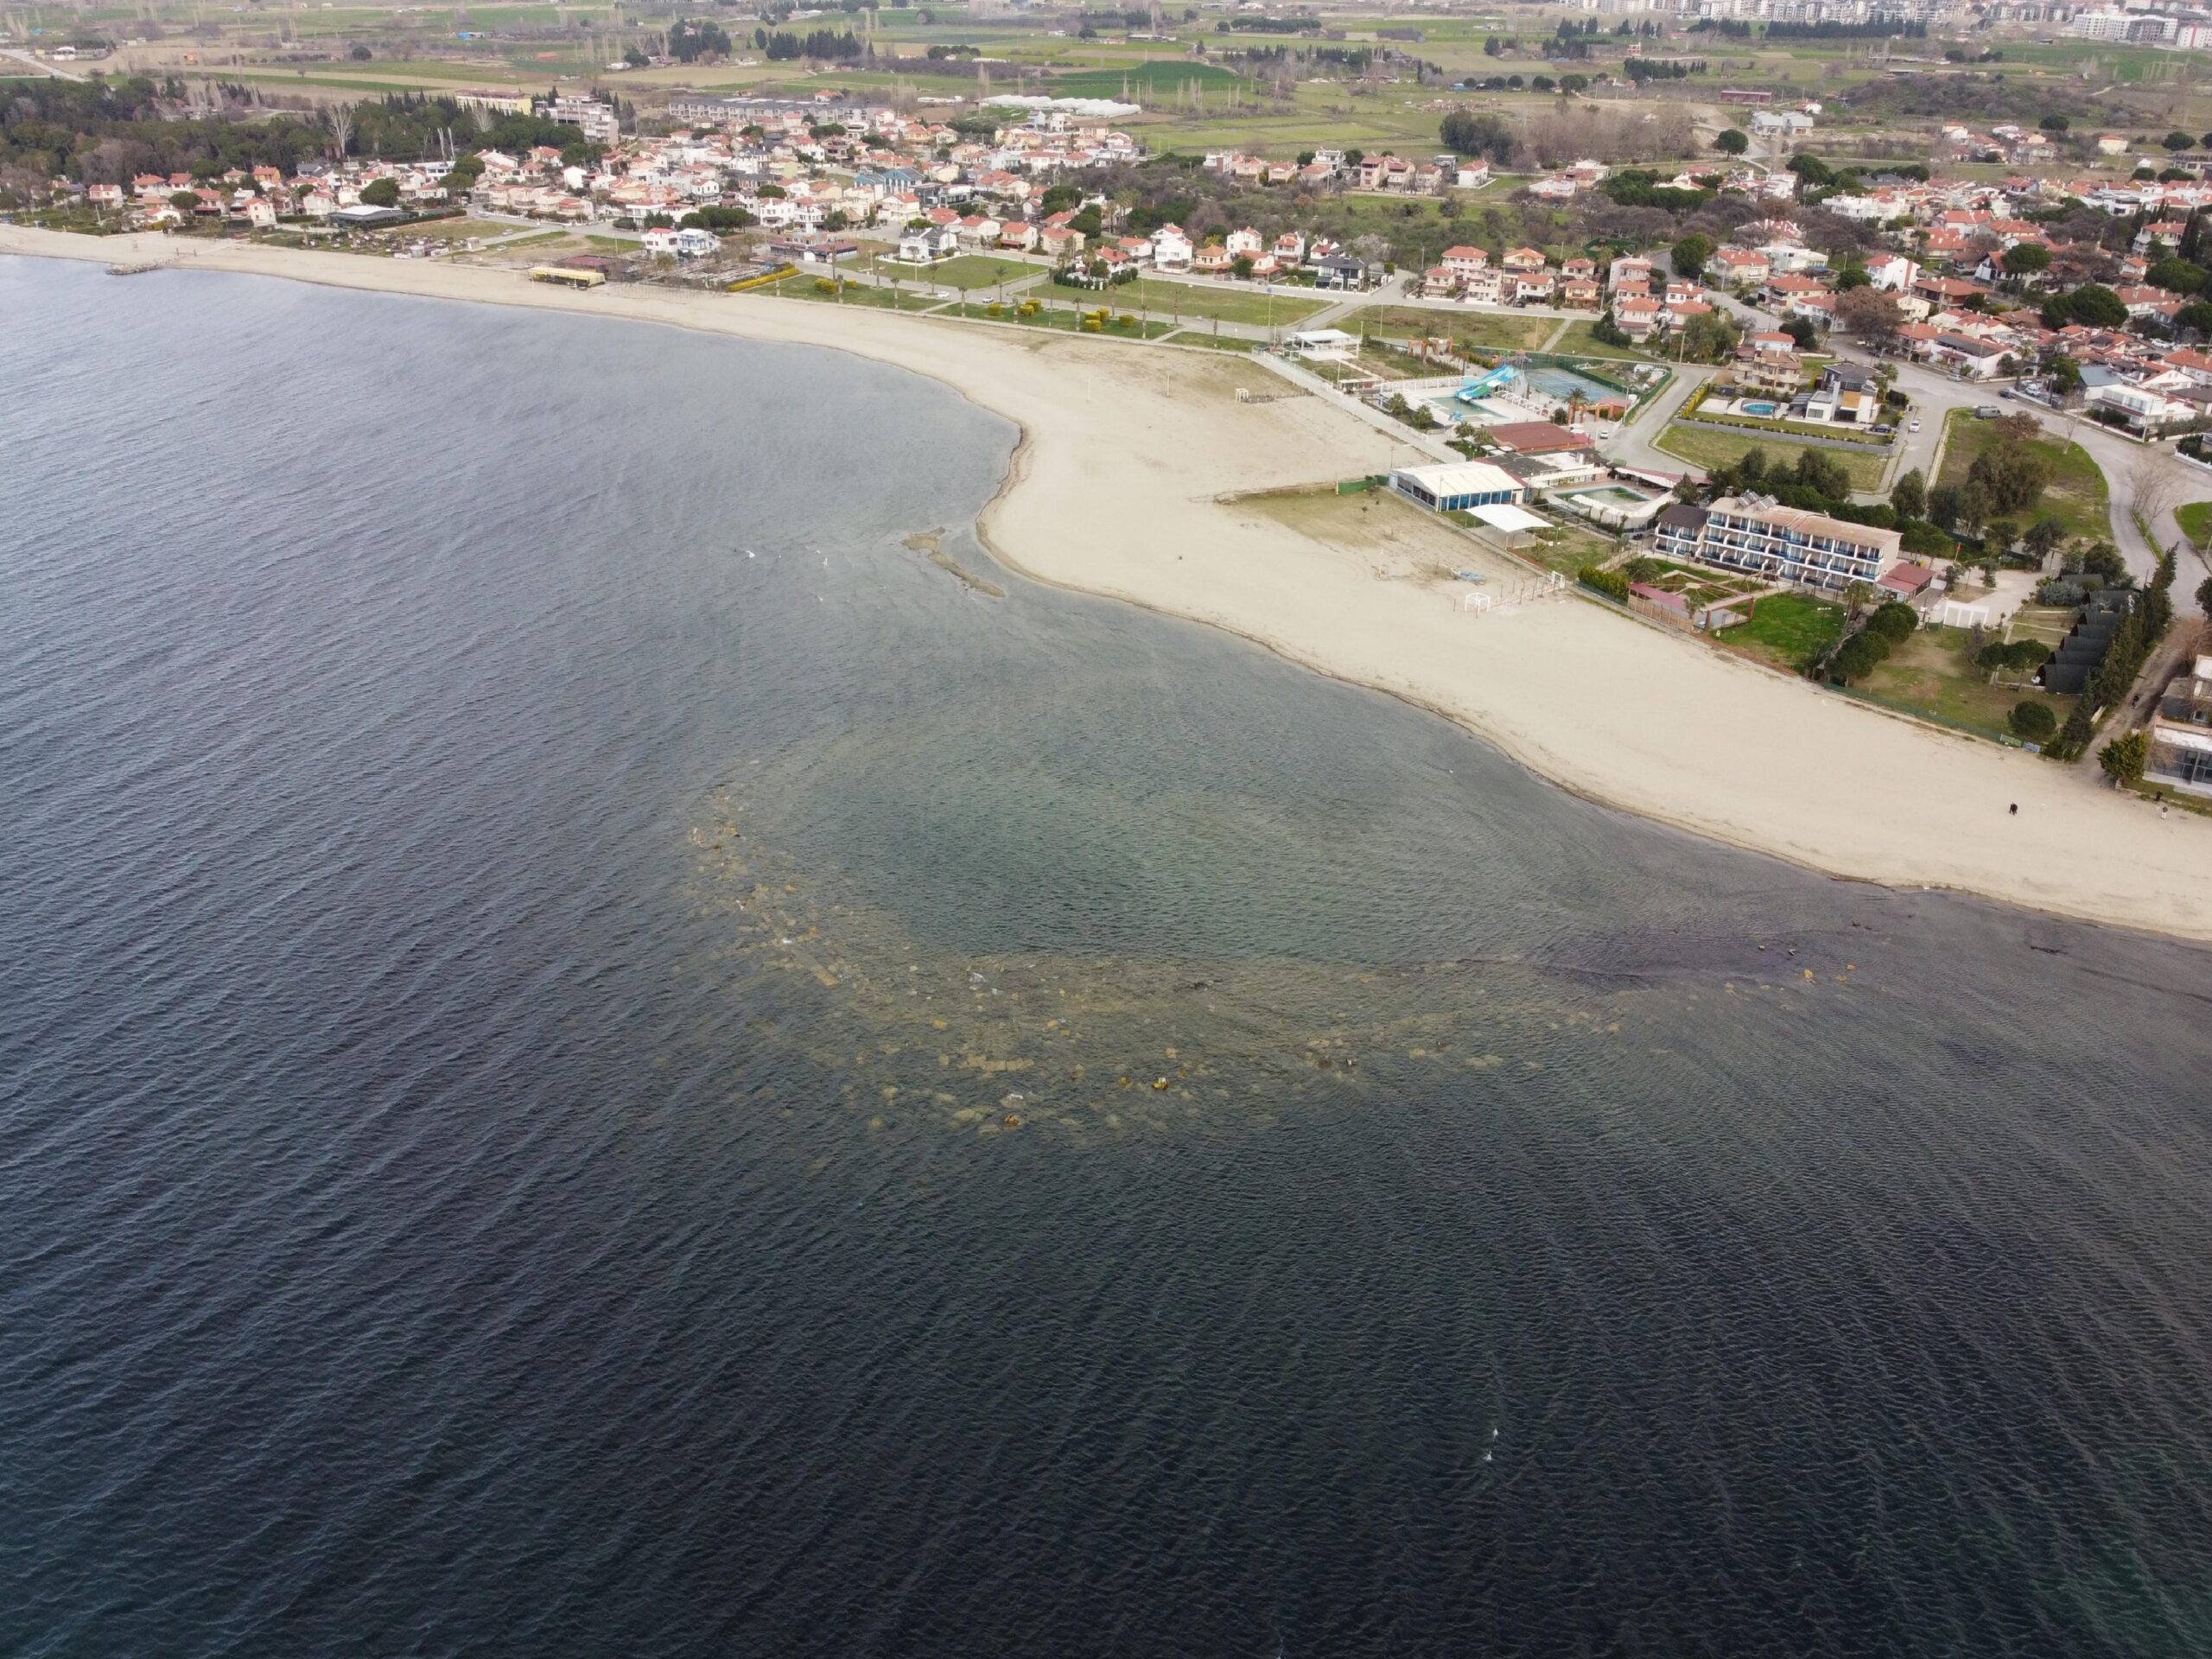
x=1914, y=427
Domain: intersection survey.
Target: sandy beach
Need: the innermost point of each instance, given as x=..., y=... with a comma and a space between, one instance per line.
x=1115, y=491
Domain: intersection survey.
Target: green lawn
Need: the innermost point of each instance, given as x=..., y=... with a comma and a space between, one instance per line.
x=2075, y=496
x=1189, y=300
x=1485, y=331
x=967, y=270
x=2196, y=520
x=1788, y=630
x=1707, y=448
x=1932, y=673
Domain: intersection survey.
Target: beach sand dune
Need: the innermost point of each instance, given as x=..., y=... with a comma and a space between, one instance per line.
x=1117, y=489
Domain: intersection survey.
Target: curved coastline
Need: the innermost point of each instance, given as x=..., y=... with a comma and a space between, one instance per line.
x=1100, y=506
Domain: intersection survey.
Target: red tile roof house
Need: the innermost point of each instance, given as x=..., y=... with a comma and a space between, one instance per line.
x=1464, y=261
x=1637, y=318
x=1523, y=260
x=1784, y=288
x=1731, y=266
x=1908, y=582
x=1535, y=438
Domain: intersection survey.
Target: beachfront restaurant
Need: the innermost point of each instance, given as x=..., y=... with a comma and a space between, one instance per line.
x=1459, y=486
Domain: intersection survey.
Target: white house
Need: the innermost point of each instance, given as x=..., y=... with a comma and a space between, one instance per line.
x=1171, y=249
x=1893, y=273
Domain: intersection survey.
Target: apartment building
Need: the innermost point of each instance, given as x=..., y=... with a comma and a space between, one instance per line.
x=1754, y=536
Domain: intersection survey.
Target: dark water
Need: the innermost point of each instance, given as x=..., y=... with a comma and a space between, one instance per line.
x=440, y=1213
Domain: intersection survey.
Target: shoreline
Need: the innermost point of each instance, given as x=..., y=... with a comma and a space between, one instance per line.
x=1110, y=490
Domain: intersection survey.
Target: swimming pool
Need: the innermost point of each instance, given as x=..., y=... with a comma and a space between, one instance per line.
x=1756, y=409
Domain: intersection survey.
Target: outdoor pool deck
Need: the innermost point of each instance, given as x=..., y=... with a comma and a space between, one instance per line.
x=1614, y=505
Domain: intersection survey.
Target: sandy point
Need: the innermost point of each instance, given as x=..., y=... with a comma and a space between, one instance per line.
x=1124, y=483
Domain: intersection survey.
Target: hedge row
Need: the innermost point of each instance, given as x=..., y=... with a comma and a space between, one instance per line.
x=1611, y=583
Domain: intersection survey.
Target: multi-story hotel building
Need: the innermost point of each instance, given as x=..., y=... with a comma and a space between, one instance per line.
x=1751, y=535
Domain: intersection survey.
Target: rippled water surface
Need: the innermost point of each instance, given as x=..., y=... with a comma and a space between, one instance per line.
x=598, y=1056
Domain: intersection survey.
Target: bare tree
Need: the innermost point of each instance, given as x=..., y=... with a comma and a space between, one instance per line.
x=341, y=128
x=2152, y=483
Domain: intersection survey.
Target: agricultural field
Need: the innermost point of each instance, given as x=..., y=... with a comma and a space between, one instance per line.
x=2075, y=496
x=1709, y=447
x=1144, y=82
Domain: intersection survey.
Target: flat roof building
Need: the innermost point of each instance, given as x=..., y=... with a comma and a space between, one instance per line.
x=1459, y=486
x=1755, y=536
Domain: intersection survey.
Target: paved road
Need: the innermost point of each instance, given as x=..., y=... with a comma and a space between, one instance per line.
x=1633, y=446
x=39, y=64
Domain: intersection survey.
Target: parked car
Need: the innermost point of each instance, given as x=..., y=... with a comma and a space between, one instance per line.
x=1915, y=423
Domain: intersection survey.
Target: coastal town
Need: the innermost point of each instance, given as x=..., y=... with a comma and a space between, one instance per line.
x=1923, y=431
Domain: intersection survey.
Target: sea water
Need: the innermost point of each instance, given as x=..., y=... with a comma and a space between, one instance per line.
x=597, y=1055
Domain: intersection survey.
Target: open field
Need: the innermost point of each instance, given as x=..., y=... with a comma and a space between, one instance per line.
x=1489, y=331
x=1704, y=446
x=2075, y=496
x=1192, y=300
x=1788, y=630
x=1932, y=673
x=1578, y=341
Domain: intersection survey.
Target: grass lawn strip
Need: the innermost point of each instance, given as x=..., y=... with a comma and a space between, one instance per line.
x=1193, y=301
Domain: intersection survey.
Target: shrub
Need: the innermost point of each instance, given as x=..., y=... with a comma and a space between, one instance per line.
x=2032, y=722
x=1126, y=320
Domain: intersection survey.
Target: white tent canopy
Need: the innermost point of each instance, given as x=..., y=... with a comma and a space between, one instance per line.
x=1512, y=520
